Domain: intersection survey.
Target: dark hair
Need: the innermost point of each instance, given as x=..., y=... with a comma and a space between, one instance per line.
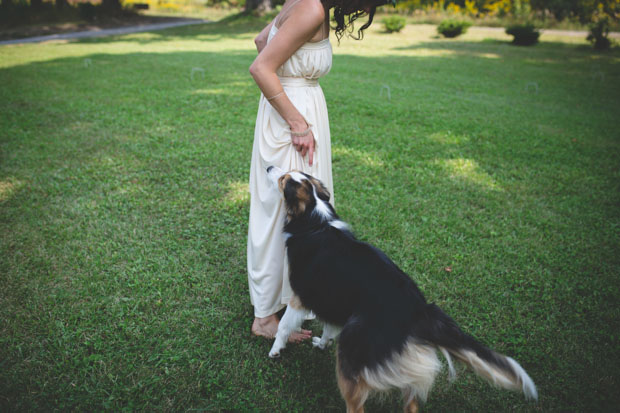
x=343, y=27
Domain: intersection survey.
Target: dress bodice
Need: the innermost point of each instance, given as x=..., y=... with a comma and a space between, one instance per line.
x=310, y=61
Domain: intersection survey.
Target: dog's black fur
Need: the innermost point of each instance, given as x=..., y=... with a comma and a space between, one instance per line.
x=352, y=284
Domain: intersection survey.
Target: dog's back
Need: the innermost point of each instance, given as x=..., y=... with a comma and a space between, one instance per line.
x=354, y=285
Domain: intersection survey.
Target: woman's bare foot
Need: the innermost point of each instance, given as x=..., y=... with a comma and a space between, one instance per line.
x=268, y=327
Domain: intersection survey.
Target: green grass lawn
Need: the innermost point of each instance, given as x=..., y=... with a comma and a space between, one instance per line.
x=123, y=215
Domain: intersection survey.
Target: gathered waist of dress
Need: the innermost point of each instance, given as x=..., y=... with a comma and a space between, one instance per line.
x=298, y=82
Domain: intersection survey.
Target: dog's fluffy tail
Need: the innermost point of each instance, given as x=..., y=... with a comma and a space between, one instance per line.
x=498, y=369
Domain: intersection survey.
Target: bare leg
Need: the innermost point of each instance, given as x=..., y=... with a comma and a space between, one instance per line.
x=330, y=332
x=268, y=327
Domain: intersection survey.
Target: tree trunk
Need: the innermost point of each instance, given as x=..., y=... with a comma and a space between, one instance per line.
x=36, y=4
x=258, y=6
x=60, y=4
x=111, y=4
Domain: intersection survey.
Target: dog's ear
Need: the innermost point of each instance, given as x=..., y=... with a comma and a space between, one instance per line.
x=321, y=191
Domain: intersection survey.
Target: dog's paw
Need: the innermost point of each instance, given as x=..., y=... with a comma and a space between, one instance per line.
x=316, y=342
x=275, y=350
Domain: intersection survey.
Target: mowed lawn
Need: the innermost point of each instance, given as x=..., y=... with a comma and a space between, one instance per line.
x=490, y=173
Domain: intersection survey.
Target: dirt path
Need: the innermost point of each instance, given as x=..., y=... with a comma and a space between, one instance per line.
x=106, y=32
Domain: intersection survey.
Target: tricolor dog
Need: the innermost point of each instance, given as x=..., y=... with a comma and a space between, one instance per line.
x=388, y=334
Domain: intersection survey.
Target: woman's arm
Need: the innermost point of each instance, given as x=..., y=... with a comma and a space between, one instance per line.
x=296, y=30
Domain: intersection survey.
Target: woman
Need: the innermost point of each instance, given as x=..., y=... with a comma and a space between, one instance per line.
x=292, y=133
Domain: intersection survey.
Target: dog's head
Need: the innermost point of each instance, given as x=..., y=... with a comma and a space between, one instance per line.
x=303, y=194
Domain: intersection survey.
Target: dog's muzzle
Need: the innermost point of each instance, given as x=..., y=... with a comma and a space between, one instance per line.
x=274, y=173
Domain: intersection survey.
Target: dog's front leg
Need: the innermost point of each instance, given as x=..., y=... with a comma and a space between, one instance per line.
x=330, y=332
x=293, y=317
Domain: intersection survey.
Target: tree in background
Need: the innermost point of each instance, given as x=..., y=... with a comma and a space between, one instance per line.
x=592, y=9
x=584, y=10
x=261, y=6
x=560, y=9
x=258, y=6
x=111, y=5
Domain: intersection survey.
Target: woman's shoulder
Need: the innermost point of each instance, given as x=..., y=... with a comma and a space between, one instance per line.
x=315, y=9
x=310, y=10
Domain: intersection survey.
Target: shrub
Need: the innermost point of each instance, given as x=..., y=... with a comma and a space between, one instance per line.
x=599, y=32
x=452, y=28
x=524, y=34
x=394, y=23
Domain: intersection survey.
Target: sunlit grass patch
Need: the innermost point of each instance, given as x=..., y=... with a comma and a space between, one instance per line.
x=237, y=192
x=8, y=187
x=448, y=138
x=468, y=171
x=357, y=156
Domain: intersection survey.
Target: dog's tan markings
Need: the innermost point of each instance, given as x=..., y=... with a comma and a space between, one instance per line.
x=282, y=181
x=354, y=392
x=293, y=195
x=302, y=198
x=295, y=303
x=412, y=407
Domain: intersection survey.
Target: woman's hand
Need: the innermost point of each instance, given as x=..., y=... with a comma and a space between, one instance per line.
x=261, y=42
x=304, y=144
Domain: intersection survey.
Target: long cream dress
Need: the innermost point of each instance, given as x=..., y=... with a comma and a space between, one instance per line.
x=267, y=267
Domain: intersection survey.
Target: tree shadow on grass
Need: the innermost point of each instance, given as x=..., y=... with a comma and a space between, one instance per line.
x=239, y=26
x=549, y=52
